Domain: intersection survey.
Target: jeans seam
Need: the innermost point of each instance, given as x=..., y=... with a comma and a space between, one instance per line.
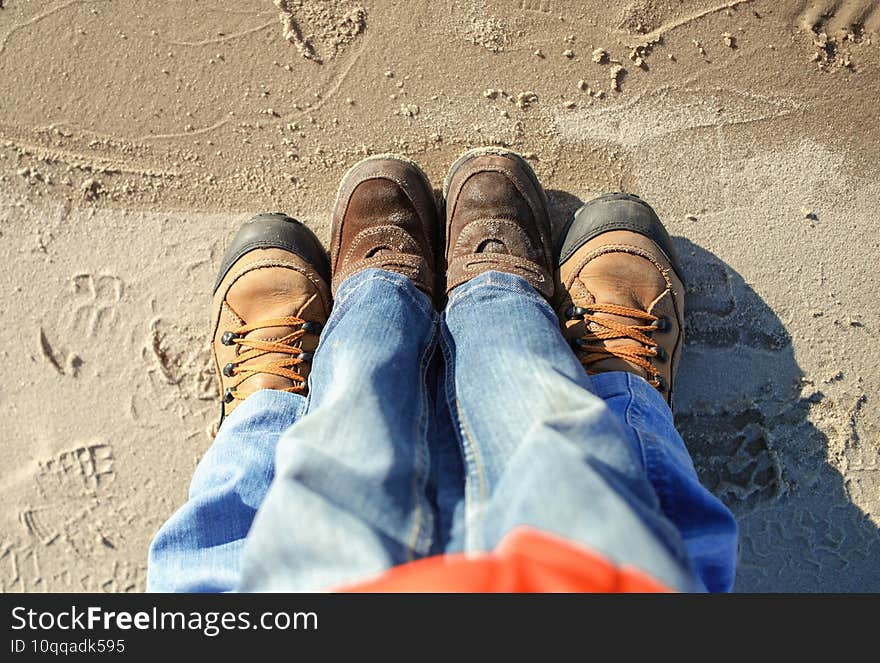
x=656, y=478
x=471, y=509
x=420, y=470
x=632, y=418
x=469, y=451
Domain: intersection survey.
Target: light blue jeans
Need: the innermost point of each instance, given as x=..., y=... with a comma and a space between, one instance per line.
x=400, y=452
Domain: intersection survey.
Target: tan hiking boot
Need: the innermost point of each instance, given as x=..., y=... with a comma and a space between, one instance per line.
x=497, y=219
x=271, y=300
x=385, y=217
x=620, y=298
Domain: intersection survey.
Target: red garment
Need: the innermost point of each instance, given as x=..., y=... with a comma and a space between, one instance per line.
x=526, y=560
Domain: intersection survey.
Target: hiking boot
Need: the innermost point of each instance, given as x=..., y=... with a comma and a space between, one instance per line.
x=271, y=300
x=620, y=296
x=497, y=219
x=385, y=218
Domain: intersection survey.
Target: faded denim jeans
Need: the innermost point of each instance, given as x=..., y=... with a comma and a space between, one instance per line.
x=427, y=433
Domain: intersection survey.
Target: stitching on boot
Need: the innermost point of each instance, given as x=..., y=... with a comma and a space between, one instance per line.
x=488, y=224
x=367, y=234
x=308, y=272
x=619, y=248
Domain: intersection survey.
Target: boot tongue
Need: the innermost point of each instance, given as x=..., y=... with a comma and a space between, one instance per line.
x=266, y=380
x=269, y=296
x=615, y=363
x=625, y=280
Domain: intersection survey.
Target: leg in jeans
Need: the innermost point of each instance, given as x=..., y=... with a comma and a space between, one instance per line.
x=542, y=449
x=706, y=526
x=270, y=299
x=350, y=496
x=594, y=460
x=621, y=303
x=199, y=548
x=447, y=470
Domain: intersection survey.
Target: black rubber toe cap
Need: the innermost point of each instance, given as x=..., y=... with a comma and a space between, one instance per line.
x=275, y=231
x=617, y=211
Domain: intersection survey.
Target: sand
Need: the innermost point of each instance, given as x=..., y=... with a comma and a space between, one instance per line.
x=134, y=137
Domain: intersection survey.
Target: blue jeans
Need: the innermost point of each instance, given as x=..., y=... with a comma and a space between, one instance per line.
x=400, y=452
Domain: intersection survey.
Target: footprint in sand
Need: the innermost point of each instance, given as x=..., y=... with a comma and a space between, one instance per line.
x=734, y=455
x=79, y=471
x=67, y=518
x=733, y=433
x=540, y=6
x=838, y=19
x=94, y=304
x=713, y=313
x=180, y=366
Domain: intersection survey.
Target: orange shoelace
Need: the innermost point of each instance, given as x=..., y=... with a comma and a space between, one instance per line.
x=591, y=348
x=285, y=368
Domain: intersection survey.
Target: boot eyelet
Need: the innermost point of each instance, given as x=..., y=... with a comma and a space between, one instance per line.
x=229, y=337
x=312, y=327
x=229, y=370
x=575, y=312
x=305, y=356
x=661, y=325
x=660, y=353
x=577, y=343
x=227, y=396
x=661, y=384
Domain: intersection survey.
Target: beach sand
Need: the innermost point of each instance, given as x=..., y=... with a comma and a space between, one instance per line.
x=135, y=137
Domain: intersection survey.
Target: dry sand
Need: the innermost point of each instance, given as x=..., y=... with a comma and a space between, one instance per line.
x=135, y=136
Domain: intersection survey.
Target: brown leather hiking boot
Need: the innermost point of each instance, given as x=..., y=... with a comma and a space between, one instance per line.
x=271, y=300
x=385, y=218
x=620, y=297
x=497, y=219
